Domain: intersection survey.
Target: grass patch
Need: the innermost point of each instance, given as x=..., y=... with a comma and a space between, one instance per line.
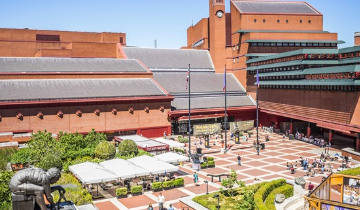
x=351, y=172
x=244, y=200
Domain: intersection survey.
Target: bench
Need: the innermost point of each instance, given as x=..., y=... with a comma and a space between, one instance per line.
x=217, y=175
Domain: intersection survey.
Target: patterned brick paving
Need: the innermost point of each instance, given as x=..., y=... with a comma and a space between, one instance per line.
x=136, y=201
x=106, y=205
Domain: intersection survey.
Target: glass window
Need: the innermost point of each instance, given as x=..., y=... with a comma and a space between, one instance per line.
x=285, y=44
x=264, y=20
x=279, y=44
x=287, y=21
x=315, y=44
x=300, y=21
x=278, y=21
x=254, y=20
x=309, y=21
x=273, y=44
x=321, y=44
x=303, y=44
x=309, y=44
x=267, y=44
x=297, y=44
x=291, y=44
x=260, y=44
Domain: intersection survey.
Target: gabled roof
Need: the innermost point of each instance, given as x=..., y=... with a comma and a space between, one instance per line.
x=201, y=82
x=52, y=89
x=171, y=59
x=274, y=7
x=85, y=65
x=212, y=102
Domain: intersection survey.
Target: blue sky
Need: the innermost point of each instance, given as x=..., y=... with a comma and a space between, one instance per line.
x=145, y=20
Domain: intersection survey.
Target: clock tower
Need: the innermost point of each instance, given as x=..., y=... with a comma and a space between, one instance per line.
x=217, y=34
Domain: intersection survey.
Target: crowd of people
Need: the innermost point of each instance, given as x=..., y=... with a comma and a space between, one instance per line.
x=312, y=140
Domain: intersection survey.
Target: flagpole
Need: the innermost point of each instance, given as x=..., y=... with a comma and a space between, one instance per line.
x=257, y=113
x=226, y=118
x=189, y=129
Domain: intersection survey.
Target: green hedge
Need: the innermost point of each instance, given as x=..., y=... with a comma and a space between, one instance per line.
x=210, y=158
x=179, y=182
x=287, y=190
x=156, y=186
x=351, y=171
x=122, y=191
x=136, y=189
x=168, y=184
x=182, y=139
x=179, y=150
x=203, y=165
x=211, y=164
x=263, y=192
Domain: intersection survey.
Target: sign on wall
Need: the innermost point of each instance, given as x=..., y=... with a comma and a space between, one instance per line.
x=207, y=129
x=241, y=125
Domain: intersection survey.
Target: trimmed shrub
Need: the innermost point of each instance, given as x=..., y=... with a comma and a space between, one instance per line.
x=50, y=160
x=179, y=150
x=211, y=164
x=179, y=182
x=136, y=189
x=168, y=184
x=182, y=139
x=210, y=158
x=122, y=191
x=351, y=171
x=263, y=192
x=22, y=156
x=128, y=148
x=105, y=150
x=203, y=165
x=156, y=186
x=287, y=190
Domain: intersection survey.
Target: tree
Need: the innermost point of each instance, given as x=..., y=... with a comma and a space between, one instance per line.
x=128, y=148
x=5, y=193
x=105, y=150
x=230, y=183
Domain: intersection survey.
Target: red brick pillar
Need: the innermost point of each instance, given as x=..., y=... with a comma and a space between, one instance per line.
x=308, y=133
x=291, y=127
x=358, y=143
x=330, y=136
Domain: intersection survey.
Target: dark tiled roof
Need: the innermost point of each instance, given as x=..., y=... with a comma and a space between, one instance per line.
x=212, y=102
x=201, y=82
x=168, y=59
x=275, y=7
x=17, y=90
x=10, y=64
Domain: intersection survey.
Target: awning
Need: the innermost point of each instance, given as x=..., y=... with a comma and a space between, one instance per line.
x=92, y=173
x=144, y=143
x=153, y=165
x=171, y=157
x=124, y=169
x=171, y=143
x=200, y=117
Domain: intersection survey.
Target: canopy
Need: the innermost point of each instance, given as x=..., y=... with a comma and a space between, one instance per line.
x=92, y=173
x=171, y=157
x=144, y=143
x=124, y=169
x=171, y=143
x=153, y=165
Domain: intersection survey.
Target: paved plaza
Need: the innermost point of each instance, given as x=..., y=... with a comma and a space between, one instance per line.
x=270, y=164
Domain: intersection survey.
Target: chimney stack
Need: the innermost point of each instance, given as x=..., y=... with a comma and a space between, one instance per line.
x=357, y=39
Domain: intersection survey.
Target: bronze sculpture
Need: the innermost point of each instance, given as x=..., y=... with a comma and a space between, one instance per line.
x=35, y=182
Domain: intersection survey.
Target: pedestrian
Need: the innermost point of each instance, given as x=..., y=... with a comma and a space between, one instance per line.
x=311, y=186
x=170, y=207
x=161, y=200
x=150, y=207
x=239, y=159
x=196, y=178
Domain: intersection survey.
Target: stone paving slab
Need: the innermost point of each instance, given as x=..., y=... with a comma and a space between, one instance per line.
x=136, y=201
x=107, y=205
x=172, y=194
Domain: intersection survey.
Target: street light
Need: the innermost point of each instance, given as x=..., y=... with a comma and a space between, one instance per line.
x=207, y=186
x=218, y=198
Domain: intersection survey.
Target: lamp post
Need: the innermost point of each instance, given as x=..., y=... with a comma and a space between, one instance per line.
x=257, y=113
x=218, y=200
x=207, y=186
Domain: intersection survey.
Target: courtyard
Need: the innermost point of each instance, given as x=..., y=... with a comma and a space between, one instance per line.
x=269, y=165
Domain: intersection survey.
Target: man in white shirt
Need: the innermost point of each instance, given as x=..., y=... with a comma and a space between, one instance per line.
x=161, y=200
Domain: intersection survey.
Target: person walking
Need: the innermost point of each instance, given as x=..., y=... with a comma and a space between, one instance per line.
x=196, y=178
x=161, y=200
x=150, y=207
x=170, y=207
x=239, y=159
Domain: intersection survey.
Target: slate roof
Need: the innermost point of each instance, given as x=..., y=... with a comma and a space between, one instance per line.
x=201, y=82
x=275, y=7
x=170, y=59
x=212, y=102
x=11, y=64
x=23, y=90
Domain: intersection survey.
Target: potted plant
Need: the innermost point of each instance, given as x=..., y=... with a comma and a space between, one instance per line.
x=20, y=159
x=136, y=190
x=168, y=184
x=179, y=182
x=156, y=186
x=121, y=192
x=203, y=165
x=211, y=164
